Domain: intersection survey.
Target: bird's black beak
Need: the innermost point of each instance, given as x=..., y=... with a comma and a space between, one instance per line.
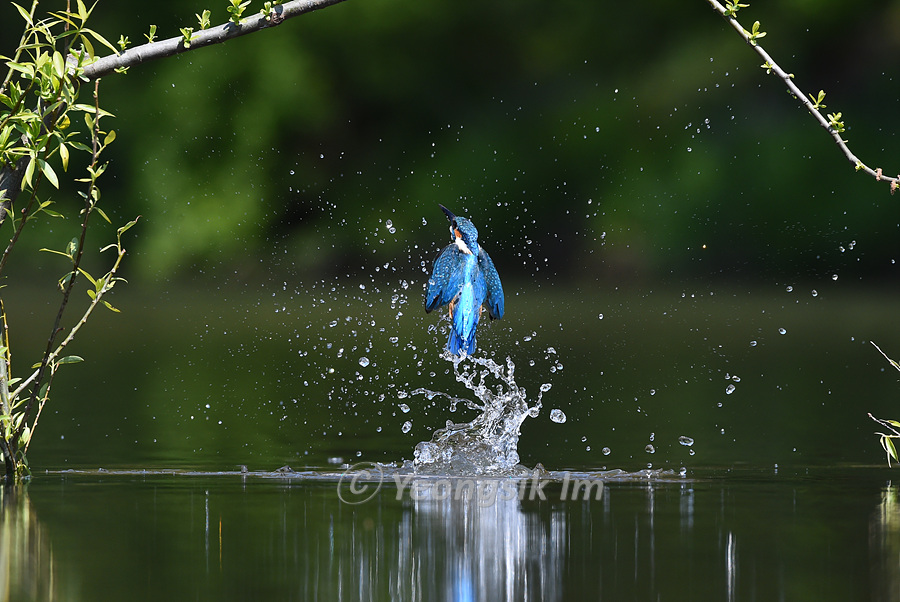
x=449, y=213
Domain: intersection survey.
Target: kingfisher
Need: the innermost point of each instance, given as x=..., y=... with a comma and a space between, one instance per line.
x=464, y=278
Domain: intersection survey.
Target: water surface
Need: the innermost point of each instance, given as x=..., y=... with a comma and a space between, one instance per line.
x=825, y=534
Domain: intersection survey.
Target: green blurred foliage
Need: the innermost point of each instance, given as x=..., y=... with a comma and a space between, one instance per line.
x=582, y=138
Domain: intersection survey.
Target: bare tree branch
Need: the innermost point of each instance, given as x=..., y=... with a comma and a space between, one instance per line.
x=205, y=37
x=770, y=65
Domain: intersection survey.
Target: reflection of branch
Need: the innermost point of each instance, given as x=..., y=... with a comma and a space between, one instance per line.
x=832, y=125
x=205, y=37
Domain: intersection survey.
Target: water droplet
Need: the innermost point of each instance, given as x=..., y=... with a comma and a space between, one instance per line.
x=753, y=343
x=404, y=408
x=407, y=426
x=558, y=416
x=834, y=277
x=815, y=293
x=687, y=441
x=600, y=317
x=782, y=331
x=545, y=387
x=730, y=389
x=650, y=449
x=363, y=361
x=606, y=451
x=790, y=289
x=736, y=378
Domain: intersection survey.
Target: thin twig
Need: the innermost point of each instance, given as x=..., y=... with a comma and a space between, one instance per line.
x=892, y=362
x=25, y=34
x=804, y=99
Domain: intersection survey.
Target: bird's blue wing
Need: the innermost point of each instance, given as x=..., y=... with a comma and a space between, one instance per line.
x=494, y=298
x=444, y=282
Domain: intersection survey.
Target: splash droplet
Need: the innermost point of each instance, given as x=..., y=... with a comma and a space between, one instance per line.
x=407, y=426
x=687, y=441
x=729, y=389
x=782, y=331
x=650, y=449
x=363, y=361
x=557, y=415
x=606, y=451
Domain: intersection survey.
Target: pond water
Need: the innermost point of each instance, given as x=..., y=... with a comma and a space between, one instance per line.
x=713, y=534
x=752, y=468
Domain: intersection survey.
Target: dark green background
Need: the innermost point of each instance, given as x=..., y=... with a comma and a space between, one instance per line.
x=629, y=160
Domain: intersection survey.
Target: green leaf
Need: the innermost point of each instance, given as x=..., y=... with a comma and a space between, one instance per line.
x=99, y=38
x=109, y=307
x=127, y=226
x=89, y=277
x=152, y=35
x=88, y=47
x=59, y=65
x=49, y=173
x=25, y=14
x=26, y=69
x=888, y=444
x=29, y=174
x=70, y=359
x=91, y=109
x=83, y=12
x=186, y=36
x=64, y=156
x=54, y=251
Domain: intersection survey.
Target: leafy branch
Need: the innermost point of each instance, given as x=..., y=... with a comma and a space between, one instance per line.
x=84, y=64
x=234, y=27
x=887, y=439
x=38, y=97
x=832, y=122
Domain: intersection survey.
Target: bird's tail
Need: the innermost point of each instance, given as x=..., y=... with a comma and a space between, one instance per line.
x=464, y=323
x=457, y=344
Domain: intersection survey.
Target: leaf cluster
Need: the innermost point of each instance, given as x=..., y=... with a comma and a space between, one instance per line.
x=42, y=123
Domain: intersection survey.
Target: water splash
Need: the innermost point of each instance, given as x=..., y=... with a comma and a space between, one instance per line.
x=488, y=445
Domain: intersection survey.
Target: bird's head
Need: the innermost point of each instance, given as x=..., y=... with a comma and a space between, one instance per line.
x=463, y=232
